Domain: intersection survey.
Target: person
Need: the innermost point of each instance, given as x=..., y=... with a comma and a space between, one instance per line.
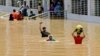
x=78, y=38
x=43, y=31
x=40, y=8
x=31, y=15
x=15, y=14
x=50, y=39
x=58, y=9
x=20, y=16
x=24, y=9
x=19, y=3
x=11, y=17
x=51, y=9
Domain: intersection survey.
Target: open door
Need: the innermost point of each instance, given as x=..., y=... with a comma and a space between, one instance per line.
x=56, y=8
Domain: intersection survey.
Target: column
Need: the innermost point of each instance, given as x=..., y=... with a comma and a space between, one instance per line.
x=8, y=2
x=89, y=7
x=46, y=5
x=28, y=2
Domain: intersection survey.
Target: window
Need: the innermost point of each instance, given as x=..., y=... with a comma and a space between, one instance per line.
x=79, y=7
x=34, y=4
x=17, y=3
x=97, y=7
x=2, y=2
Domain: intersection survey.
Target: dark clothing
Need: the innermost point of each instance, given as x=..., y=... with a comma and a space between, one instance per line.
x=32, y=15
x=44, y=34
x=24, y=12
x=39, y=12
x=41, y=9
x=11, y=17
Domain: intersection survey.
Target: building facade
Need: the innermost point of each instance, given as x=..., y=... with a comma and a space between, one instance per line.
x=87, y=10
x=9, y=5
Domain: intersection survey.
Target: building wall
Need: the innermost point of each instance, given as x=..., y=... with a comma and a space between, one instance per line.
x=67, y=8
x=8, y=7
x=91, y=12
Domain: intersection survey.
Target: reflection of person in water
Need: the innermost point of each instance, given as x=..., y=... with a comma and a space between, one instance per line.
x=58, y=9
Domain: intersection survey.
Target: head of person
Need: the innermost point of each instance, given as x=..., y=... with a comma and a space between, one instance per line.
x=50, y=37
x=14, y=10
x=58, y=3
x=31, y=12
x=44, y=28
x=20, y=12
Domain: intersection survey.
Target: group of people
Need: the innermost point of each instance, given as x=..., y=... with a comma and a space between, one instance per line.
x=56, y=7
x=78, y=36
x=45, y=33
x=21, y=13
x=16, y=15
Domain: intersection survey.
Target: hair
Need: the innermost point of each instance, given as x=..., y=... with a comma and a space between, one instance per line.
x=20, y=12
x=39, y=4
x=14, y=10
x=31, y=11
x=44, y=28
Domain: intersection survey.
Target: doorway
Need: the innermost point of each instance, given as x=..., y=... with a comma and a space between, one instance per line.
x=56, y=8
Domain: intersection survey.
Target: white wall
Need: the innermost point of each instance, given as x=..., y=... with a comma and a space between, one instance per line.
x=10, y=8
x=92, y=7
x=88, y=18
x=85, y=18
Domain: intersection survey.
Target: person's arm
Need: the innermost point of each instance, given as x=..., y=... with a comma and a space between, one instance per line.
x=28, y=7
x=73, y=34
x=20, y=7
x=40, y=27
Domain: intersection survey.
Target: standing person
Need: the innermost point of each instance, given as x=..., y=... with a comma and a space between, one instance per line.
x=43, y=31
x=58, y=9
x=78, y=38
x=40, y=8
x=24, y=9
